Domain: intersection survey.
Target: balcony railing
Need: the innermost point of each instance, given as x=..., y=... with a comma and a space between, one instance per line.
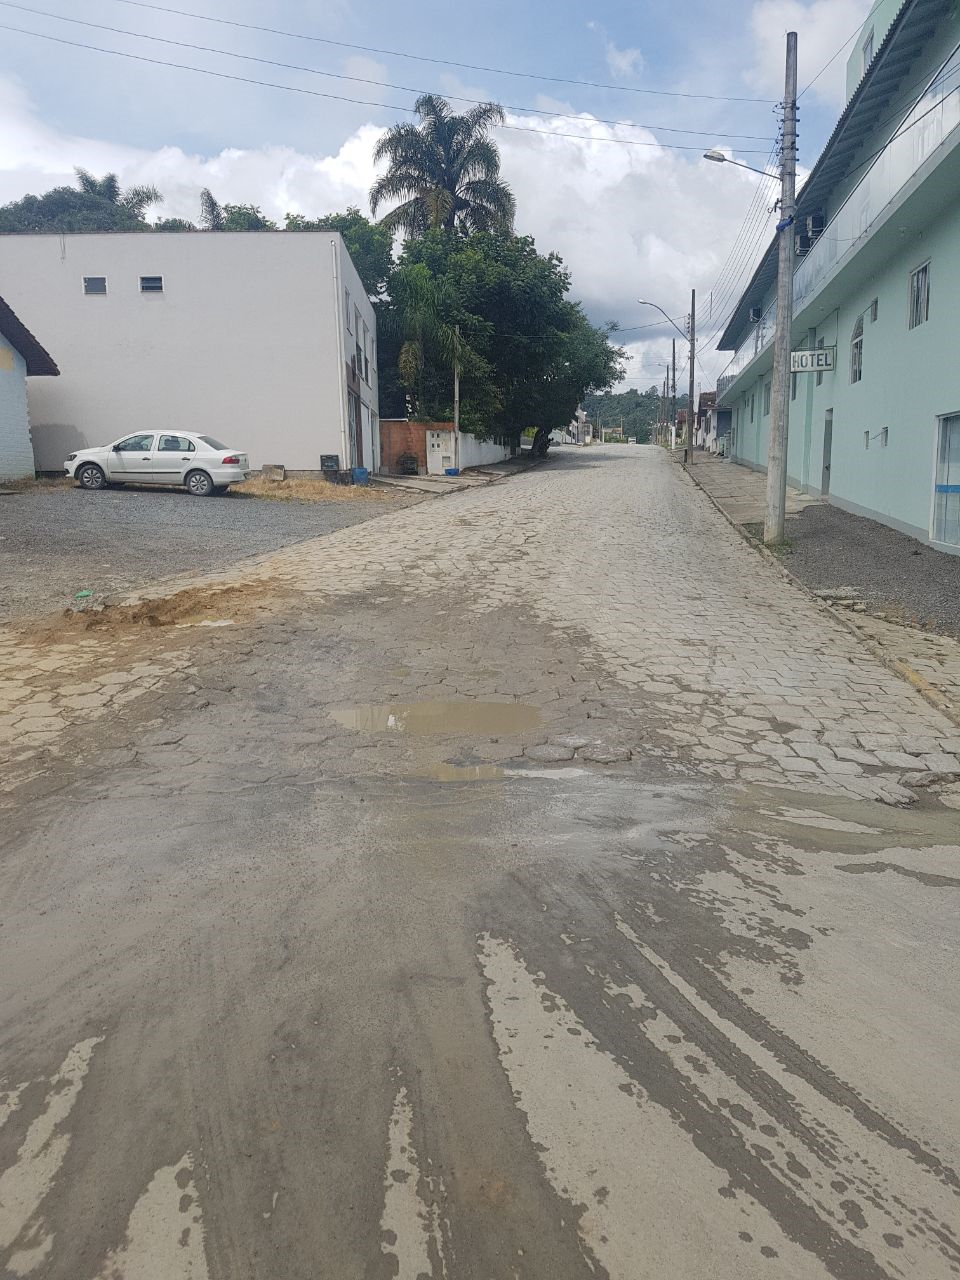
x=933, y=117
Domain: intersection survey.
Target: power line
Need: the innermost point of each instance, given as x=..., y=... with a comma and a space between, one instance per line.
x=380, y=84
x=336, y=97
x=418, y=57
x=832, y=60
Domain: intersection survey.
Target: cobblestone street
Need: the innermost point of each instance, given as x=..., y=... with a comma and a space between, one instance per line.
x=532, y=882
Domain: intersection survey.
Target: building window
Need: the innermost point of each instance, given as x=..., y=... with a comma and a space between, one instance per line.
x=819, y=375
x=753, y=405
x=94, y=284
x=920, y=295
x=151, y=284
x=884, y=437
x=866, y=439
x=856, y=351
x=366, y=355
x=766, y=397
x=347, y=312
x=793, y=386
x=867, y=50
x=874, y=307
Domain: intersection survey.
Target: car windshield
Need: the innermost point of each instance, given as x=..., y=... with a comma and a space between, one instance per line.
x=214, y=444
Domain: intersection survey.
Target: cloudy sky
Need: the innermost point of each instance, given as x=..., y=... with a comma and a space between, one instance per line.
x=644, y=87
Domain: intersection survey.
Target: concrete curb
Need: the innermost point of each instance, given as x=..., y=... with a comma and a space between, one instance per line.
x=899, y=668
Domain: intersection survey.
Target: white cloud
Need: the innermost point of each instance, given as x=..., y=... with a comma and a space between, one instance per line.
x=822, y=26
x=629, y=221
x=622, y=63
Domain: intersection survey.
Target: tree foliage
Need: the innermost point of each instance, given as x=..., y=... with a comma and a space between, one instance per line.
x=527, y=353
x=368, y=243
x=444, y=171
x=98, y=205
x=637, y=411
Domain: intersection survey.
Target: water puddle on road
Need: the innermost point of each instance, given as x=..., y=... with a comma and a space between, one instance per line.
x=439, y=717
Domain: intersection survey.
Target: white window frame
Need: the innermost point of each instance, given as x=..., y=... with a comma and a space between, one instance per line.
x=919, y=300
x=856, y=351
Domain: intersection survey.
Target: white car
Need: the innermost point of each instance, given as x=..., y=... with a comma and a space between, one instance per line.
x=200, y=463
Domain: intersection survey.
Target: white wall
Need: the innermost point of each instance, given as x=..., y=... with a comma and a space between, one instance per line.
x=480, y=453
x=246, y=342
x=16, y=453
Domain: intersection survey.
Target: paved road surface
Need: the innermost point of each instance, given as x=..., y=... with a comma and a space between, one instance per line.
x=639, y=960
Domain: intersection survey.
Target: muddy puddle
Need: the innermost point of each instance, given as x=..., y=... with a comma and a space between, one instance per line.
x=489, y=718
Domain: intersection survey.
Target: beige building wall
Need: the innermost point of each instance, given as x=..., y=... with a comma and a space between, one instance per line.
x=246, y=342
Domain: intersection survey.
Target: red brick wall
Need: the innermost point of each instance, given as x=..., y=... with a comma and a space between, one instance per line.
x=398, y=437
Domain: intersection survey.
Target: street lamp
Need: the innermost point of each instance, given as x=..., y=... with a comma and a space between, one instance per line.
x=717, y=156
x=773, y=525
x=688, y=439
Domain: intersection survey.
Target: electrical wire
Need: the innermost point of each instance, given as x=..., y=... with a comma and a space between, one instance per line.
x=336, y=97
x=831, y=61
x=419, y=57
x=380, y=84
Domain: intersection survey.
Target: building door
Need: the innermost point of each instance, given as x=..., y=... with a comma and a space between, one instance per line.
x=946, y=495
x=827, y=450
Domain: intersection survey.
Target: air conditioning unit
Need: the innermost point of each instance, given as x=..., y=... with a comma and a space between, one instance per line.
x=801, y=244
x=756, y=313
x=815, y=224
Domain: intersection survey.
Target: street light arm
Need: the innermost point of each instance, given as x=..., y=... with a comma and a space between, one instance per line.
x=719, y=158
x=644, y=303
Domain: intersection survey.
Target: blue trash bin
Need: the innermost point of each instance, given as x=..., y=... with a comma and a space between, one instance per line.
x=361, y=475
x=451, y=471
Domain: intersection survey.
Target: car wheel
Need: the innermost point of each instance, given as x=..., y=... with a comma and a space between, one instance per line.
x=90, y=476
x=199, y=484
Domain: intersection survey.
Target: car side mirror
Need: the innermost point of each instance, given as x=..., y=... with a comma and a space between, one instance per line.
x=116, y=449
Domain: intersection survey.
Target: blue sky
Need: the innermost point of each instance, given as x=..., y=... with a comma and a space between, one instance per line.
x=630, y=221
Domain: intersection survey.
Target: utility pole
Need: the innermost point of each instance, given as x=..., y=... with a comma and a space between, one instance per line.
x=688, y=446
x=780, y=391
x=456, y=397
x=673, y=395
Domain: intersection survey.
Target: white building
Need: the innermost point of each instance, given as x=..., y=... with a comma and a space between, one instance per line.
x=266, y=340
x=21, y=356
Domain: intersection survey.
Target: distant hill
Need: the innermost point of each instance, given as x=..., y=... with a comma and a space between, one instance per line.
x=639, y=411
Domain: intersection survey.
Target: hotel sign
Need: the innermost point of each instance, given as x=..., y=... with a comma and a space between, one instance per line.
x=820, y=360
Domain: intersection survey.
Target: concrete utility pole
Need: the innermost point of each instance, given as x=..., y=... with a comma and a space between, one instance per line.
x=688, y=447
x=780, y=391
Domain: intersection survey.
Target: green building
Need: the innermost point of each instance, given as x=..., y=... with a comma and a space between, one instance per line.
x=877, y=280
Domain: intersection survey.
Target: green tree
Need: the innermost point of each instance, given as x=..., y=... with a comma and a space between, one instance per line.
x=211, y=212
x=231, y=217
x=137, y=200
x=528, y=354
x=173, y=224
x=445, y=171
x=98, y=204
x=368, y=243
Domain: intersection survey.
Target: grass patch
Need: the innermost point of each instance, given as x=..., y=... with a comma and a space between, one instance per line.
x=309, y=489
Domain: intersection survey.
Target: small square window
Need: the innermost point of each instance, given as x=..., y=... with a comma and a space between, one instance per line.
x=94, y=284
x=151, y=284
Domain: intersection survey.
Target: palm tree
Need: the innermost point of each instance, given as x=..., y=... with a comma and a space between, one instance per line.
x=445, y=171
x=135, y=200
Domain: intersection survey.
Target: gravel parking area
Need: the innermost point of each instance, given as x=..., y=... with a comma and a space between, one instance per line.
x=893, y=573
x=56, y=541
